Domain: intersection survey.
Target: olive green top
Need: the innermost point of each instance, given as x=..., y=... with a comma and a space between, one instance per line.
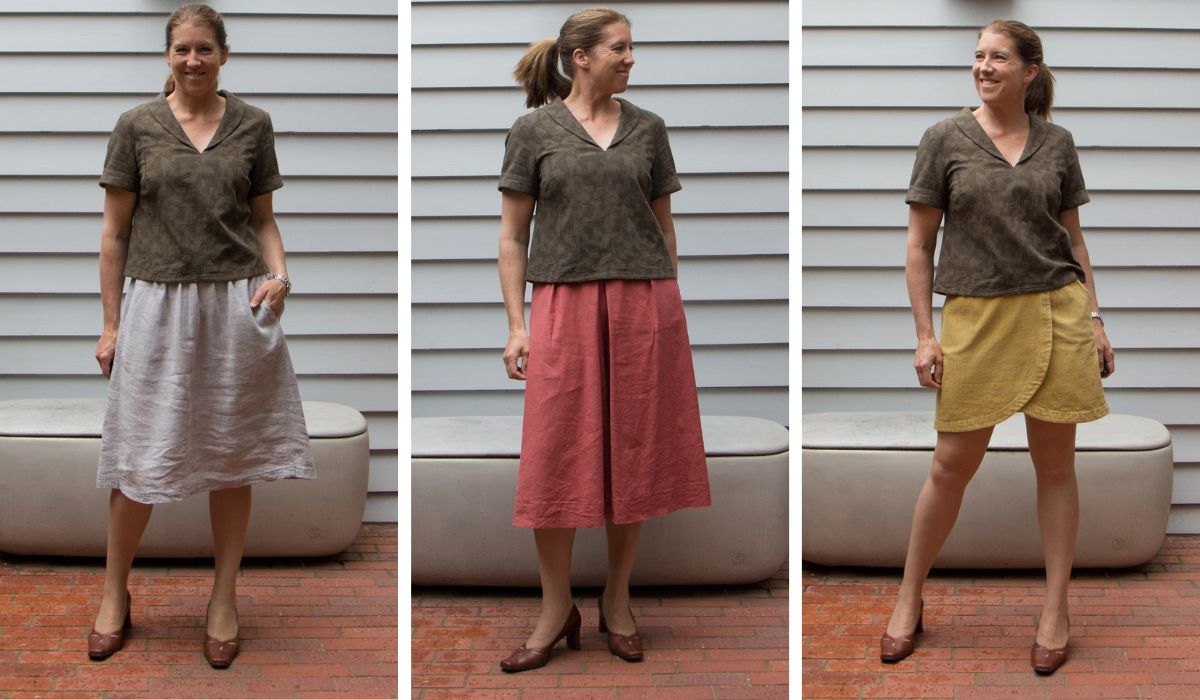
x=593, y=219
x=1002, y=232
x=192, y=218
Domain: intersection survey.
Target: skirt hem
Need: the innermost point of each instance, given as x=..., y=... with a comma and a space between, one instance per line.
x=207, y=487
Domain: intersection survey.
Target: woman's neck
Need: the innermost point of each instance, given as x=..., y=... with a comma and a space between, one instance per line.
x=588, y=102
x=203, y=103
x=1007, y=117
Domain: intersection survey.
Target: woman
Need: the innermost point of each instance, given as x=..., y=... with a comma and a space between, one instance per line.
x=1016, y=334
x=202, y=396
x=612, y=428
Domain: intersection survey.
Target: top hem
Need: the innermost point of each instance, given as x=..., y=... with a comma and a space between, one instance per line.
x=592, y=277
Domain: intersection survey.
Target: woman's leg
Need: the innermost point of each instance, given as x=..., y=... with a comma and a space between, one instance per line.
x=229, y=513
x=622, y=550
x=126, y=522
x=1052, y=447
x=554, y=565
x=956, y=457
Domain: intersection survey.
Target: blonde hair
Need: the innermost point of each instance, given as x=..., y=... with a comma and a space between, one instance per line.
x=197, y=16
x=538, y=70
x=1039, y=96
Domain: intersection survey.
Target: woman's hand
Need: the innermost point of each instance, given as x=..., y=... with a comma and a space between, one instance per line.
x=106, y=352
x=1104, y=352
x=928, y=363
x=516, y=355
x=273, y=291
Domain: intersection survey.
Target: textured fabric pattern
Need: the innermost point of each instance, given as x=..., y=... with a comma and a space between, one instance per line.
x=1002, y=233
x=593, y=218
x=202, y=395
x=192, y=219
x=1034, y=353
x=612, y=421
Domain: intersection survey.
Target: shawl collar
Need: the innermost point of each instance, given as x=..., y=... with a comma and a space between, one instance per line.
x=969, y=125
x=235, y=109
x=561, y=114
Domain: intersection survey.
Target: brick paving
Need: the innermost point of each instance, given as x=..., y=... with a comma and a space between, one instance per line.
x=320, y=627
x=710, y=642
x=1135, y=633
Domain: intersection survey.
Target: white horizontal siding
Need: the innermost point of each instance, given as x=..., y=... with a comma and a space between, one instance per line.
x=476, y=238
x=1132, y=113
x=303, y=155
x=328, y=77
x=508, y=22
x=384, y=9
x=657, y=64
x=256, y=34
x=39, y=73
x=1131, y=128
x=954, y=47
x=952, y=87
x=702, y=194
x=46, y=113
x=1099, y=14
x=686, y=106
x=717, y=74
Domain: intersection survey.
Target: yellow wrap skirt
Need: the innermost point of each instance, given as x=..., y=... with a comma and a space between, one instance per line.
x=1032, y=353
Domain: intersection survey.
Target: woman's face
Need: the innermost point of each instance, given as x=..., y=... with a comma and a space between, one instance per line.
x=610, y=61
x=195, y=59
x=1000, y=74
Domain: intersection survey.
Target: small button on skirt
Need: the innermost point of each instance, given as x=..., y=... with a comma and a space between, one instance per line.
x=1031, y=353
x=202, y=396
x=612, y=422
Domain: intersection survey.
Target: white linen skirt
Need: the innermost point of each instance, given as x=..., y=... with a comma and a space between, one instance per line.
x=202, y=397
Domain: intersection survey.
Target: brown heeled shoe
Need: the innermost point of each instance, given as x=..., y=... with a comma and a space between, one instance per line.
x=526, y=659
x=893, y=649
x=102, y=646
x=219, y=654
x=1045, y=660
x=626, y=647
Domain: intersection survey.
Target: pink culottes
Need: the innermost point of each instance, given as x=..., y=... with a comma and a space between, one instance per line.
x=612, y=421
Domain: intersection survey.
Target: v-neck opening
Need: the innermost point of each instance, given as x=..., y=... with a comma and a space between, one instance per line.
x=975, y=131
x=224, y=125
x=625, y=122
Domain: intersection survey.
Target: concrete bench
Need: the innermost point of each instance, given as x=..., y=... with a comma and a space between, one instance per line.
x=862, y=473
x=49, y=503
x=464, y=481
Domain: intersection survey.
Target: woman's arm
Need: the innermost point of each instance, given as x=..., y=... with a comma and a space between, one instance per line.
x=923, y=222
x=270, y=243
x=1070, y=221
x=662, y=212
x=114, y=248
x=516, y=212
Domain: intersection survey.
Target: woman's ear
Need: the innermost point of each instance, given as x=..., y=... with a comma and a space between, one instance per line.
x=580, y=57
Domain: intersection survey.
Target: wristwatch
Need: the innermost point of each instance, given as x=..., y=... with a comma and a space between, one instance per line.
x=287, y=284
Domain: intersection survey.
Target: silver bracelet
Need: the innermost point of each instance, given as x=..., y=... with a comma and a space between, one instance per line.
x=287, y=283
x=1097, y=317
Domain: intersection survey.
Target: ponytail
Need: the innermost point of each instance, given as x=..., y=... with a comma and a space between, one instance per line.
x=538, y=73
x=1039, y=96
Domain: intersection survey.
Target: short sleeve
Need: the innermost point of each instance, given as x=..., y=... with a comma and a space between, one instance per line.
x=519, y=172
x=663, y=179
x=1074, y=193
x=264, y=175
x=928, y=182
x=120, y=162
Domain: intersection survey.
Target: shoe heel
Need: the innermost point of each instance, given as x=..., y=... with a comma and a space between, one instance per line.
x=603, y=627
x=573, y=638
x=920, y=625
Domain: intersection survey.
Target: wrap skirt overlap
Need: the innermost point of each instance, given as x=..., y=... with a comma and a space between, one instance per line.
x=1031, y=353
